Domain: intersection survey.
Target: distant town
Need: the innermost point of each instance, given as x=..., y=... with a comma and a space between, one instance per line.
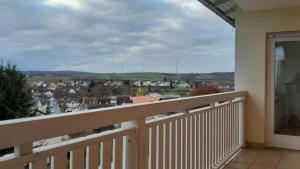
x=67, y=91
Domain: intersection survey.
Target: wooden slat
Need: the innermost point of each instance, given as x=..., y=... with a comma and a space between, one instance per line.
x=213, y=137
x=161, y=146
x=107, y=154
x=197, y=141
x=193, y=141
x=209, y=143
x=147, y=144
x=60, y=161
x=184, y=143
x=94, y=156
x=119, y=153
x=101, y=154
x=238, y=123
x=227, y=131
x=179, y=153
x=219, y=135
x=78, y=158
x=206, y=140
x=231, y=127
x=134, y=154
x=216, y=136
x=188, y=142
x=235, y=126
x=223, y=133
x=153, y=147
x=202, y=137
x=173, y=145
x=40, y=164
x=167, y=146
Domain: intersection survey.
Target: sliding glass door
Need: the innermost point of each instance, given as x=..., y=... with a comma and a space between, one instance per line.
x=284, y=83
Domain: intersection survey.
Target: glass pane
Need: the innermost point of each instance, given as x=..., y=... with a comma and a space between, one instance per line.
x=287, y=88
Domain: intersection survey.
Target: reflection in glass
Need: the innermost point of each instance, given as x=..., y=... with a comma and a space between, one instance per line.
x=287, y=88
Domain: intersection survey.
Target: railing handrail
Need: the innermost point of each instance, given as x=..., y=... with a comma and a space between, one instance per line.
x=24, y=131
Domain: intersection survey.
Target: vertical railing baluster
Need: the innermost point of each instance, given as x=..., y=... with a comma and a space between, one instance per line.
x=197, y=140
x=160, y=146
x=179, y=153
x=167, y=146
x=153, y=147
x=193, y=140
x=188, y=141
x=184, y=154
x=173, y=143
x=206, y=140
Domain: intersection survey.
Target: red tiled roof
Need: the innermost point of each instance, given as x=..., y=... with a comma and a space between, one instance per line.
x=90, y=101
x=144, y=99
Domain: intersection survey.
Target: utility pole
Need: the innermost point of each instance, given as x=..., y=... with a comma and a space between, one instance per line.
x=122, y=68
x=176, y=66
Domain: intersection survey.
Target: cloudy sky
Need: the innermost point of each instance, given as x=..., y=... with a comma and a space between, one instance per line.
x=115, y=36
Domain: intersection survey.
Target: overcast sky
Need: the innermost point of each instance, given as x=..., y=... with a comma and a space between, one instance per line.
x=115, y=36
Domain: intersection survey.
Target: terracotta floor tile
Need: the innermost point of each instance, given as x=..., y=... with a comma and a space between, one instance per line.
x=260, y=167
x=245, y=158
x=289, y=164
x=270, y=153
x=238, y=165
x=292, y=155
x=267, y=161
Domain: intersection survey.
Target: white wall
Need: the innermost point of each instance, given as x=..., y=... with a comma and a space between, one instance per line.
x=251, y=30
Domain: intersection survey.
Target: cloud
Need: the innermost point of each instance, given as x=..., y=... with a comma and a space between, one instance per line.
x=115, y=35
x=74, y=4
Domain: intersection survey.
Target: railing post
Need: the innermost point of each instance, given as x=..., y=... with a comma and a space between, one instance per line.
x=142, y=136
x=129, y=147
x=135, y=148
x=22, y=150
x=242, y=121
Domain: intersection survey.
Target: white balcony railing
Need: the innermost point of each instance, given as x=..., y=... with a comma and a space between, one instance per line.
x=205, y=133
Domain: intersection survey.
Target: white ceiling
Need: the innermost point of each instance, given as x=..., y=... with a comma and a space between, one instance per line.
x=250, y=5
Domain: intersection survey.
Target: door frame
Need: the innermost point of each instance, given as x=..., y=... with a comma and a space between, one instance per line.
x=277, y=140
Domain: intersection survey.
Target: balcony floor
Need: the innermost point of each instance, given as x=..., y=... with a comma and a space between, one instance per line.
x=266, y=159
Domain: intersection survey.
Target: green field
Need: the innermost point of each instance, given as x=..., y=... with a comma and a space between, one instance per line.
x=55, y=79
x=68, y=76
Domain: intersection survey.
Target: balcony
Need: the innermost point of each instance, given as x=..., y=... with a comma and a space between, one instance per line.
x=205, y=132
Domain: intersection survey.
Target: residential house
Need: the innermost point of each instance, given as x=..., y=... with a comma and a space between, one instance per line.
x=144, y=99
x=90, y=102
x=123, y=100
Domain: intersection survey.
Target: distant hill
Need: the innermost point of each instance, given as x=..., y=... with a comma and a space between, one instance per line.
x=130, y=76
x=57, y=73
